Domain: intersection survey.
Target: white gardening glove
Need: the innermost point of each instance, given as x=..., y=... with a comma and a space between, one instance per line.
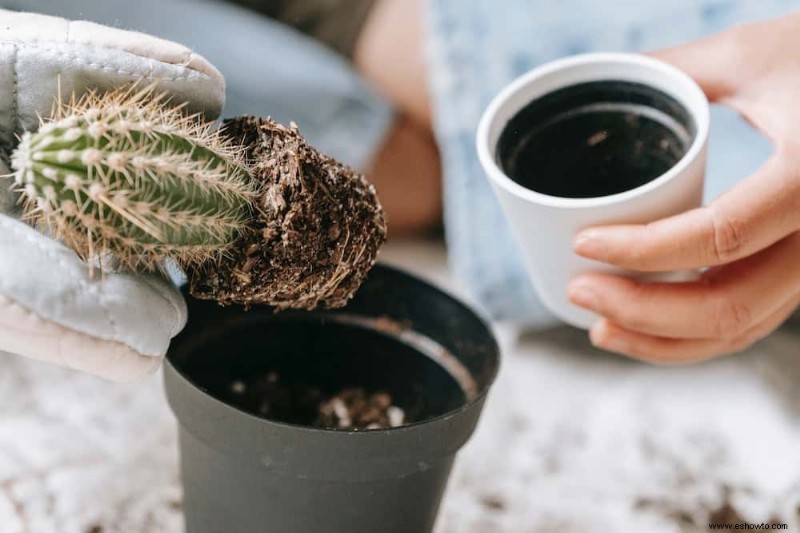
x=118, y=326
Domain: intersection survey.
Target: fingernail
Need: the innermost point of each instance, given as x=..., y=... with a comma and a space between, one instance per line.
x=589, y=243
x=598, y=333
x=601, y=337
x=615, y=344
x=583, y=293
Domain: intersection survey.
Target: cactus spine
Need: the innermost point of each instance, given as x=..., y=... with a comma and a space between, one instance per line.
x=125, y=175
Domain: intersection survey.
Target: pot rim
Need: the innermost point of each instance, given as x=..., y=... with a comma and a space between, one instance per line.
x=470, y=402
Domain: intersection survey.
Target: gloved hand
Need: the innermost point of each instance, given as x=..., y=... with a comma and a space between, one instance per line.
x=117, y=326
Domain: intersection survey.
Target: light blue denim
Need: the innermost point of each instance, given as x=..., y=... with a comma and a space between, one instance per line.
x=478, y=46
x=270, y=69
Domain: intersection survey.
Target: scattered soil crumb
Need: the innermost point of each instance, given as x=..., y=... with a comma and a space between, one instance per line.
x=725, y=513
x=297, y=403
x=355, y=408
x=493, y=503
x=597, y=138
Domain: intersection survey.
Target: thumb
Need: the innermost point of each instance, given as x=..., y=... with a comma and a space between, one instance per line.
x=715, y=63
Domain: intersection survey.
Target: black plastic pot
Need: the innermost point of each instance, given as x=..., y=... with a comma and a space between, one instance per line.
x=244, y=473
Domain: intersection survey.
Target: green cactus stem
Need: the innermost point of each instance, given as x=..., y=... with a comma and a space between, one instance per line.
x=252, y=213
x=124, y=175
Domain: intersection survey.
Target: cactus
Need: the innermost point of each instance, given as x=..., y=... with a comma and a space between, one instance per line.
x=251, y=212
x=126, y=176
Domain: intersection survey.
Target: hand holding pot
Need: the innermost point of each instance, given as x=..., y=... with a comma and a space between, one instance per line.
x=750, y=237
x=51, y=308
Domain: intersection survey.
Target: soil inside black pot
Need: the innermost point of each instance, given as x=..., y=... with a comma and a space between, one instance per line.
x=350, y=408
x=324, y=373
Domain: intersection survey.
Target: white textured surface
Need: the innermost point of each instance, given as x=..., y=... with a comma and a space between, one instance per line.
x=572, y=441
